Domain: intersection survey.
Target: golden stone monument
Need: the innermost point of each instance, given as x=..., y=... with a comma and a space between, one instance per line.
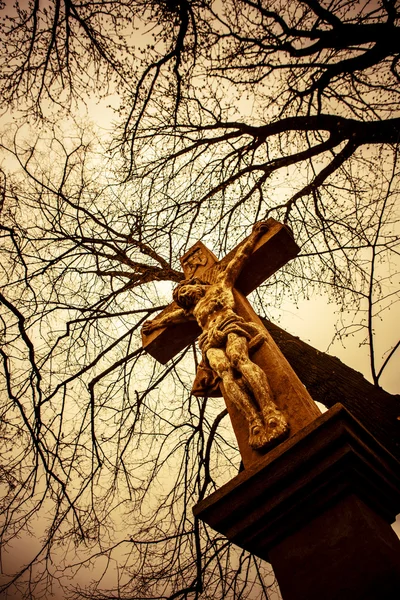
x=265, y=399
x=227, y=339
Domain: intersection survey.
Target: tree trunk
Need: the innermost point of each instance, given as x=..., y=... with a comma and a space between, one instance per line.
x=329, y=381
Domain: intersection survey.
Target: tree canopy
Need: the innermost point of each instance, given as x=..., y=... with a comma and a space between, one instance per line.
x=224, y=113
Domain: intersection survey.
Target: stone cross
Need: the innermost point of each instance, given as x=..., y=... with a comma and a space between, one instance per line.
x=265, y=399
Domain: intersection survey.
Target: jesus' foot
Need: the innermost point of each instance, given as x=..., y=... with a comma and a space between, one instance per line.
x=273, y=429
x=275, y=423
x=258, y=437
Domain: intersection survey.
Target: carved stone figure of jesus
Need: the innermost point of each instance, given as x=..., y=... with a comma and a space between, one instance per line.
x=225, y=342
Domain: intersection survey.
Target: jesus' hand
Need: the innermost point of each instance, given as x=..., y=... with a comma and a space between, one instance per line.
x=149, y=326
x=260, y=227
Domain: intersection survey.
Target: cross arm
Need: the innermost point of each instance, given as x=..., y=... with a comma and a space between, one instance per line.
x=273, y=250
x=173, y=330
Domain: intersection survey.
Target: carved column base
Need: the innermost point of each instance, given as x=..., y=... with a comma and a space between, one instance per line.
x=318, y=508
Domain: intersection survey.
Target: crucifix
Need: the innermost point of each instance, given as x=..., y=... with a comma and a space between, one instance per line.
x=265, y=399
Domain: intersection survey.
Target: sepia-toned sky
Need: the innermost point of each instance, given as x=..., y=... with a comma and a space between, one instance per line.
x=312, y=320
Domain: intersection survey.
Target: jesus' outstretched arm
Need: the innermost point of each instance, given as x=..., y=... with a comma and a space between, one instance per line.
x=234, y=267
x=175, y=316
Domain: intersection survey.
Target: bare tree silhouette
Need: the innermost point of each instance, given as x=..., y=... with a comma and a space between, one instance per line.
x=228, y=113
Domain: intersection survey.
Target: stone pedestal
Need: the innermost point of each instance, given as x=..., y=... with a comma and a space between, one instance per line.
x=318, y=508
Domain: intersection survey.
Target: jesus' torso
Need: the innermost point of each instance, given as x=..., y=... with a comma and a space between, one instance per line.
x=214, y=306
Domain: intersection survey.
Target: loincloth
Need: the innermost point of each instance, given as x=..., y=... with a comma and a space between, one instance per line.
x=217, y=335
x=207, y=382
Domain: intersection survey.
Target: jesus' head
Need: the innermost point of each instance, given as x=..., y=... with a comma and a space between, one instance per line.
x=188, y=292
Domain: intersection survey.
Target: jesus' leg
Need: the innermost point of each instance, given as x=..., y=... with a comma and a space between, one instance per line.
x=238, y=355
x=237, y=395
